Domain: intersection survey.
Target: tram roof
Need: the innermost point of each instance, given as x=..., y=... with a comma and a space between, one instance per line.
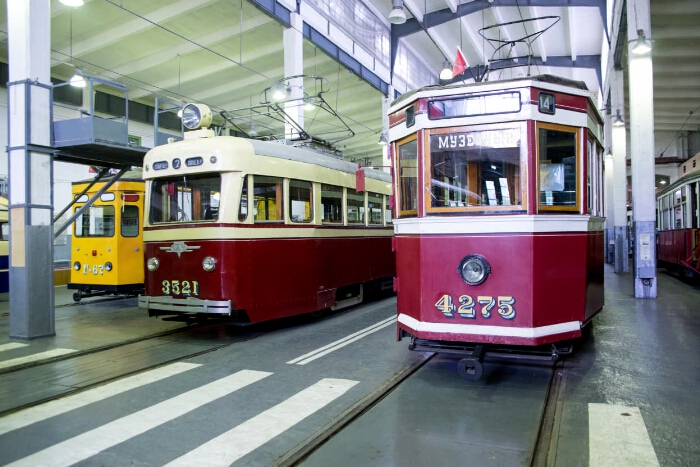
x=129, y=176
x=492, y=85
x=687, y=178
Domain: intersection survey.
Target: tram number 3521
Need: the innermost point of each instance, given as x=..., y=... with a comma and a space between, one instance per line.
x=467, y=306
x=180, y=287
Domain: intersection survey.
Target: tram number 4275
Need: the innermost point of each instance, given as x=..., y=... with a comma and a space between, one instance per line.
x=468, y=306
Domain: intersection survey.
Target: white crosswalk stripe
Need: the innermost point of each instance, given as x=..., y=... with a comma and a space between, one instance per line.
x=239, y=441
x=92, y=442
x=12, y=346
x=51, y=409
x=35, y=357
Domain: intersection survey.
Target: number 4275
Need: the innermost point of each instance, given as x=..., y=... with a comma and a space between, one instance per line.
x=467, y=306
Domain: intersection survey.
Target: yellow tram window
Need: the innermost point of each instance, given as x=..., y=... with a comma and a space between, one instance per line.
x=300, y=201
x=96, y=221
x=374, y=207
x=559, y=161
x=356, y=207
x=130, y=221
x=268, y=198
x=408, y=178
x=332, y=202
x=471, y=169
x=5, y=231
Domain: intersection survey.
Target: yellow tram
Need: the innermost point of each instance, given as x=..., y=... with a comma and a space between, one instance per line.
x=4, y=247
x=107, y=239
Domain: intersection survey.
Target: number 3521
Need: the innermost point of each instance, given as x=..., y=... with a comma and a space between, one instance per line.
x=467, y=307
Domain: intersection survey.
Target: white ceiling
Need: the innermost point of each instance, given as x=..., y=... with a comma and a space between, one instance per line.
x=201, y=51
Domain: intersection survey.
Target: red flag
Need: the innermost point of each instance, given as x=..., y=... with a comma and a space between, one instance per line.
x=460, y=64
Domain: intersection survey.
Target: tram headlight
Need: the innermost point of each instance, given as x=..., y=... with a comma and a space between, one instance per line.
x=76, y=265
x=474, y=269
x=152, y=264
x=196, y=116
x=209, y=264
x=108, y=266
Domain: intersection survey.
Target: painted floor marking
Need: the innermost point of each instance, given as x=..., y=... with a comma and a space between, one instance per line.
x=35, y=357
x=320, y=352
x=618, y=436
x=253, y=433
x=12, y=345
x=94, y=441
x=51, y=409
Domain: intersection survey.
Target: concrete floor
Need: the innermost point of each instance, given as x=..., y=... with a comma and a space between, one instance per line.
x=641, y=354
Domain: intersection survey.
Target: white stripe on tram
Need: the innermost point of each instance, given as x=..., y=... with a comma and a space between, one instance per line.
x=320, y=352
x=51, y=409
x=11, y=346
x=35, y=357
x=502, y=331
x=230, y=446
x=92, y=442
x=617, y=436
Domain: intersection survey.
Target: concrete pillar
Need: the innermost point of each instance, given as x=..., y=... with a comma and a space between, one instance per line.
x=294, y=65
x=609, y=210
x=31, y=170
x=641, y=126
x=619, y=151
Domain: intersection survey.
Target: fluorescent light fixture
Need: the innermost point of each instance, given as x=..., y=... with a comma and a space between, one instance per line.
x=383, y=140
x=72, y=2
x=446, y=73
x=279, y=92
x=252, y=132
x=397, y=15
x=77, y=79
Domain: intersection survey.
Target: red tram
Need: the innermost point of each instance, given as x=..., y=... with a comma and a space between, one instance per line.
x=678, y=211
x=256, y=230
x=498, y=216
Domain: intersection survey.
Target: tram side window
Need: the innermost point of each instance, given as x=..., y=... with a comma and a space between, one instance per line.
x=387, y=210
x=96, y=221
x=130, y=221
x=300, y=201
x=469, y=169
x=243, y=207
x=5, y=231
x=332, y=202
x=268, y=198
x=374, y=208
x=558, y=169
x=356, y=207
x=185, y=198
x=693, y=195
x=408, y=178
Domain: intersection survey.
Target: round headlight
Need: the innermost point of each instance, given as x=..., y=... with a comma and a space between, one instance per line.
x=474, y=269
x=108, y=266
x=196, y=116
x=76, y=265
x=208, y=263
x=152, y=264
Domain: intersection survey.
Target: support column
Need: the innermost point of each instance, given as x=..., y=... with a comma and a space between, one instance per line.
x=294, y=65
x=619, y=151
x=609, y=210
x=31, y=170
x=642, y=152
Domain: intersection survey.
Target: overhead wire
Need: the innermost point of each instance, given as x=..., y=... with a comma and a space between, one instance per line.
x=690, y=114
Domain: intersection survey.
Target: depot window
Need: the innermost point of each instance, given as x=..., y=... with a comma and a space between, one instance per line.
x=185, y=198
x=559, y=167
x=96, y=221
x=300, y=201
x=475, y=169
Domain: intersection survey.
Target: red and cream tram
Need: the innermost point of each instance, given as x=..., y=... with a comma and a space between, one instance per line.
x=257, y=230
x=678, y=211
x=498, y=216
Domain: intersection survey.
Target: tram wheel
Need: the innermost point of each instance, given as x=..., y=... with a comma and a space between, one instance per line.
x=77, y=297
x=470, y=368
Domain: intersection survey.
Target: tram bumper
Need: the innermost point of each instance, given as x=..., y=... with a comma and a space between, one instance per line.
x=185, y=305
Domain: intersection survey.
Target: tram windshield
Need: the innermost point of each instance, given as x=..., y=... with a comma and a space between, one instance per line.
x=185, y=198
x=475, y=169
